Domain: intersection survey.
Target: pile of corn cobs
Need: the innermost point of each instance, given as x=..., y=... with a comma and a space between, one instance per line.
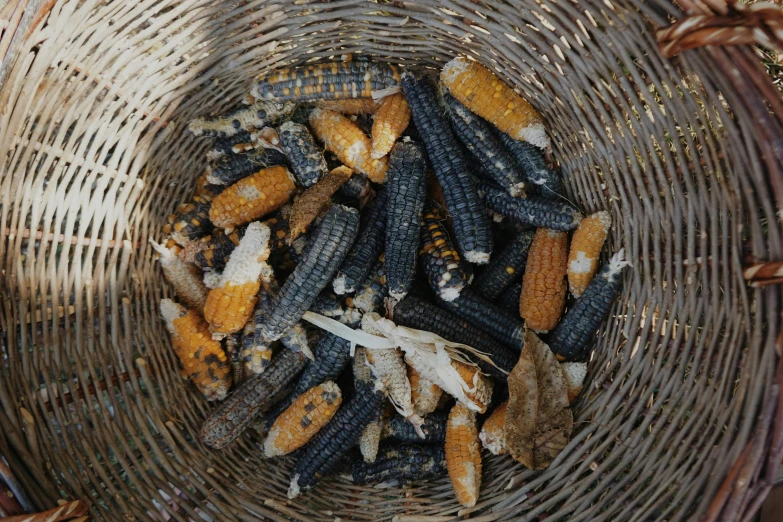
x=389, y=247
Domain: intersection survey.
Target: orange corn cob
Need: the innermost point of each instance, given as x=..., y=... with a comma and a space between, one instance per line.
x=203, y=360
x=544, y=285
x=493, y=433
x=463, y=455
x=184, y=278
x=307, y=206
x=358, y=106
x=585, y=248
x=348, y=142
x=478, y=89
x=424, y=393
x=390, y=122
x=252, y=197
x=482, y=395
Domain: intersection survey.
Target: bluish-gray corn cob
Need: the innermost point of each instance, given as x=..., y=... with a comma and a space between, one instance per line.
x=371, y=295
x=532, y=163
x=358, y=187
x=509, y=298
x=295, y=339
x=331, y=305
x=224, y=146
x=505, y=267
x=231, y=169
x=404, y=463
x=439, y=259
x=534, y=210
x=305, y=158
x=255, y=116
x=434, y=428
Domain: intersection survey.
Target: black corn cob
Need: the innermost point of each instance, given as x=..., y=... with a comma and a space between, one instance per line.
x=509, y=299
x=331, y=305
x=278, y=226
x=407, y=186
x=370, y=297
x=233, y=352
x=531, y=161
x=372, y=232
x=191, y=222
x=358, y=187
x=573, y=334
x=404, y=462
x=244, y=118
x=482, y=139
x=329, y=245
x=534, y=210
x=305, y=158
x=439, y=259
x=295, y=339
x=470, y=222
x=231, y=169
x=207, y=193
x=224, y=146
x=415, y=312
x=434, y=428
x=505, y=267
x=255, y=395
x=219, y=248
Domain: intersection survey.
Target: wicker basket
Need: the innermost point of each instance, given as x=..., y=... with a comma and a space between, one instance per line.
x=680, y=418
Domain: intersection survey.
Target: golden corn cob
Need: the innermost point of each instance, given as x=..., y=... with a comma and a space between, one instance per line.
x=307, y=206
x=252, y=197
x=493, y=432
x=391, y=120
x=348, y=142
x=203, y=360
x=303, y=419
x=585, y=248
x=185, y=279
x=478, y=89
x=230, y=304
x=463, y=455
x=355, y=107
x=544, y=285
x=472, y=375
x=425, y=394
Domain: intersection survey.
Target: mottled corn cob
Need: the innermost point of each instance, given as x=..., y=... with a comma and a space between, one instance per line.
x=304, y=156
x=278, y=225
x=482, y=313
x=250, y=400
x=256, y=116
x=348, y=142
x=303, y=419
x=530, y=159
x=425, y=394
x=493, y=433
x=203, y=360
x=254, y=358
x=327, y=81
x=391, y=120
x=370, y=439
x=469, y=219
x=252, y=197
x=330, y=305
x=478, y=89
x=372, y=231
x=585, y=248
x=230, y=304
x=191, y=222
x=505, y=267
x=439, y=259
x=405, y=463
x=534, y=210
x=463, y=455
x=327, y=249
x=187, y=284
x=222, y=147
x=573, y=335
x=212, y=252
x=407, y=192
x=482, y=394
x=509, y=299
x=370, y=297
x=234, y=353
x=358, y=106
x=483, y=141
x=359, y=188
x=206, y=192
x=544, y=284
x=313, y=200
x=389, y=367
x=434, y=428
x=233, y=168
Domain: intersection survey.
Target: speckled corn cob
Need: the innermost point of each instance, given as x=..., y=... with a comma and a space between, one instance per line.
x=482, y=313
x=478, y=89
x=313, y=200
x=252, y=197
x=303, y=419
x=278, y=225
x=233, y=349
x=530, y=159
x=407, y=192
x=255, y=357
x=493, y=433
x=250, y=400
x=434, y=428
x=203, y=360
x=544, y=284
x=425, y=394
x=471, y=226
x=533, y=210
x=404, y=463
x=348, y=142
x=370, y=439
x=258, y=115
x=439, y=259
x=186, y=282
x=191, y=223
x=331, y=305
x=585, y=249
x=212, y=252
x=358, y=106
x=206, y=192
x=509, y=299
x=572, y=337
x=304, y=156
x=231, y=169
x=371, y=295
x=391, y=120
x=505, y=266
x=326, y=81
x=222, y=147
x=463, y=455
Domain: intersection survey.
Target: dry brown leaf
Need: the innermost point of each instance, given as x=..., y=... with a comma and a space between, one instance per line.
x=307, y=207
x=522, y=409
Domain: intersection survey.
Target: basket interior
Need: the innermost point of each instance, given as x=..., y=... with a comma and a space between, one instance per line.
x=96, y=157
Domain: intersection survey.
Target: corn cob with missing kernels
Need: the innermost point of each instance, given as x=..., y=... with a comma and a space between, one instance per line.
x=186, y=282
x=203, y=360
x=505, y=267
x=439, y=259
x=190, y=222
x=256, y=116
x=433, y=426
x=391, y=120
x=544, y=284
x=530, y=159
x=371, y=296
x=313, y=200
x=370, y=439
x=425, y=394
x=252, y=197
x=254, y=357
x=533, y=210
x=493, y=432
x=403, y=463
x=233, y=349
x=503, y=325
x=585, y=249
x=212, y=252
x=389, y=367
x=463, y=455
x=233, y=168
x=304, y=156
x=205, y=192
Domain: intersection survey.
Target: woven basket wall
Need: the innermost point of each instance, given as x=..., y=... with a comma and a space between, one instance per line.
x=682, y=388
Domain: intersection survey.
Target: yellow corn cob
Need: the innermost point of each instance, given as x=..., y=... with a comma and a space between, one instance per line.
x=303, y=419
x=348, y=142
x=493, y=433
x=307, y=206
x=544, y=285
x=358, y=106
x=472, y=375
x=185, y=279
x=252, y=197
x=478, y=89
x=463, y=455
x=230, y=304
x=203, y=360
x=424, y=393
x=585, y=248
x=390, y=122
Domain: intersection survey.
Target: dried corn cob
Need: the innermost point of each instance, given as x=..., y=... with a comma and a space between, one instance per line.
x=303, y=419
x=388, y=366
x=371, y=439
x=574, y=373
x=371, y=295
x=294, y=339
x=230, y=305
x=191, y=222
x=330, y=305
x=509, y=299
x=187, y=284
x=463, y=455
x=493, y=433
x=434, y=428
x=348, y=142
x=313, y=200
x=425, y=394
x=222, y=147
x=305, y=157
x=530, y=159
x=327, y=81
x=255, y=357
x=252, y=197
x=256, y=116
x=391, y=120
x=544, y=284
x=327, y=249
x=505, y=267
x=359, y=188
x=405, y=463
x=573, y=335
x=483, y=385
x=206, y=192
x=357, y=106
x=407, y=192
x=234, y=354
x=439, y=259
x=250, y=400
x=585, y=248
x=278, y=225
x=212, y=252
x=483, y=141
x=471, y=225
x=231, y=169
x=534, y=210
x=203, y=360
x=503, y=325
x=478, y=89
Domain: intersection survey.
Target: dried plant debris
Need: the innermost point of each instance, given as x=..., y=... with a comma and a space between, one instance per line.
x=309, y=205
